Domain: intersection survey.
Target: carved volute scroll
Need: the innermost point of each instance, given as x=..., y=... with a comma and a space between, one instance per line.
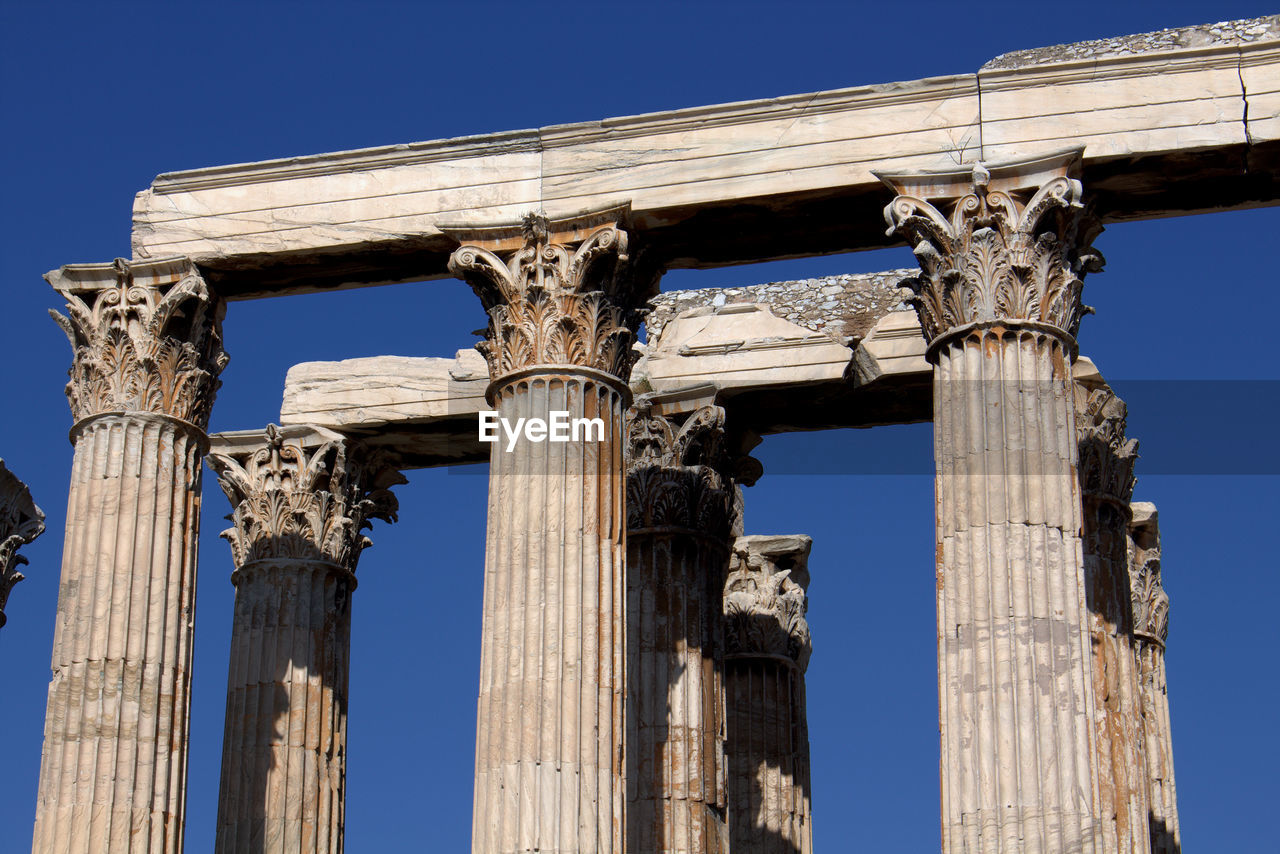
x=147, y=337
x=560, y=299
x=1150, y=602
x=997, y=244
x=765, y=600
x=682, y=477
x=21, y=521
x=302, y=494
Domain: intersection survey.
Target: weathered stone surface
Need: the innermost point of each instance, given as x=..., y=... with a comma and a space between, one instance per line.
x=680, y=503
x=844, y=307
x=147, y=344
x=562, y=300
x=1002, y=254
x=21, y=521
x=1223, y=33
x=1171, y=125
x=1151, y=631
x=767, y=648
x=773, y=374
x=1106, y=468
x=300, y=500
x=739, y=347
x=147, y=337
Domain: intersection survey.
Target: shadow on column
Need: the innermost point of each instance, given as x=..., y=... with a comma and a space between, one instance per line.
x=1163, y=839
x=766, y=749
x=284, y=762
x=672, y=769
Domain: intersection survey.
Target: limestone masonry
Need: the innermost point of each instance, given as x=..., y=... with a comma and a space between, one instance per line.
x=643, y=658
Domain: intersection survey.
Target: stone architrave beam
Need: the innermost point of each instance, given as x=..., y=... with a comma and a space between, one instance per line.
x=21, y=521
x=1174, y=122
x=842, y=351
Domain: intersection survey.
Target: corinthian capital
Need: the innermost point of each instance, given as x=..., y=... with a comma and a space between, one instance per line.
x=1107, y=457
x=682, y=473
x=301, y=493
x=1005, y=242
x=765, y=600
x=1150, y=602
x=559, y=294
x=146, y=336
x=21, y=521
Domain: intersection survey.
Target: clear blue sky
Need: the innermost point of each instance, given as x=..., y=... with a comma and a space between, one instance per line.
x=99, y=98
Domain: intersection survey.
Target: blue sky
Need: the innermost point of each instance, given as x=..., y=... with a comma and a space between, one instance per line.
x=98, y=99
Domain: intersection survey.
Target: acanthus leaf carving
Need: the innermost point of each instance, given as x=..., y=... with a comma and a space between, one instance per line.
x=144, y=347
x=680, y=476
x=999, y=256
x=1107, y=457
x=765, y=600
x=21, y=521
x=1150, y=601
x=553, y=304
x=306, y=497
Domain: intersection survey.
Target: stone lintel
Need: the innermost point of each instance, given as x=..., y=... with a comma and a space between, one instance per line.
x=1170, y=127
x=777, y=363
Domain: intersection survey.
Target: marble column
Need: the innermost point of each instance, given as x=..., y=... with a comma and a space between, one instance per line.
x=21, y=521
x=561, y=299
x=148, y=351
x=1107, y=459
x=1151, y=631
x=680, y=504
x=767, y=734
x=301, y=497
x=1003, y=251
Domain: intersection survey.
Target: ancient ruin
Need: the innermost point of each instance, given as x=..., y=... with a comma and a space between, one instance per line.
x=21, y=521
x=642, y=679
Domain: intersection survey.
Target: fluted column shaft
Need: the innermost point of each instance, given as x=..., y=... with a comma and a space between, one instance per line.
x=550, y=727
x=284, y=745
x=301, y=496
x=1151, y=631
x=679, y=507
x=147, y=353
x=1106, y=466
x=1003, y=251
x=1013, y=632
x=549, y=730
x=114, y=760
x=767, y=735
